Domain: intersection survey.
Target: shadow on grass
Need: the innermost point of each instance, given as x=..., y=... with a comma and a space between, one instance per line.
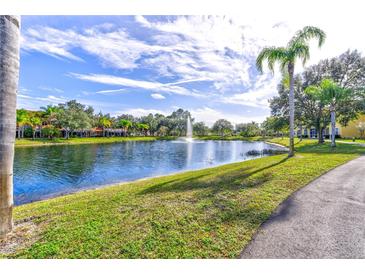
x=232, y=179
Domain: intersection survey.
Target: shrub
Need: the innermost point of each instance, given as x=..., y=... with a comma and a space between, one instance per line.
x=50, y=132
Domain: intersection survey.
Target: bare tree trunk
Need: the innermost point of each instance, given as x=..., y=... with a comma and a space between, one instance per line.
x=333, y=127
x=291, y=108
x=9, y=75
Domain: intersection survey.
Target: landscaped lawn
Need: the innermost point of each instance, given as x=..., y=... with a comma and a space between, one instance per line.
x=362, y=141
x=92, y=140
x=209, y=213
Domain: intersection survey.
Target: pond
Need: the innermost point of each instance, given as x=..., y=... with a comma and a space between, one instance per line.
x=49, y=171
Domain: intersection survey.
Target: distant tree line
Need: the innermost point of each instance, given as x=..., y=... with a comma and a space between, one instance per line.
x=73, y=119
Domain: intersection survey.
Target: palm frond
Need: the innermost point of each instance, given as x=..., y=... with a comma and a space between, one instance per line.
x=301, y=51
x=271, y=55
x=307, y=33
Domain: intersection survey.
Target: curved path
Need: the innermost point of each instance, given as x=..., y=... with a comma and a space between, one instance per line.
x=325, y=219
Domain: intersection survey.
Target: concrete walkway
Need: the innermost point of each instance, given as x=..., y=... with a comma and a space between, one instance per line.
x=325, y=219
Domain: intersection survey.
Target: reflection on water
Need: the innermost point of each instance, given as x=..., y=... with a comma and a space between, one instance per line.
x=41, y=172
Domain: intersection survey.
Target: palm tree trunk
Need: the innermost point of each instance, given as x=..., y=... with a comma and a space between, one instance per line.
x=333, y=127
x=291, y=108
x=9, y=75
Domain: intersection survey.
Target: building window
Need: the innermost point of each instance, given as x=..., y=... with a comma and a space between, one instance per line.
x=313, y=133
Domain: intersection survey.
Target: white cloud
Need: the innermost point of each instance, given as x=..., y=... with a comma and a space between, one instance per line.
x=138, y=112
x=109, y=91
x=49, y=99
x=115, y=48
x=121, y=81
x=257, y=96
x=209, y=116
x=157, y=96
x=51, y=89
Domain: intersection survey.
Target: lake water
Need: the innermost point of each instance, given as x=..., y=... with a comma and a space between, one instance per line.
x=48, y=171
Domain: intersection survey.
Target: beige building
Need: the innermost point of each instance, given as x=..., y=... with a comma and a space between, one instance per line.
x=350, y=131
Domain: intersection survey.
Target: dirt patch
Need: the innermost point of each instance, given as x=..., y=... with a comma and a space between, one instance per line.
x=23, y=235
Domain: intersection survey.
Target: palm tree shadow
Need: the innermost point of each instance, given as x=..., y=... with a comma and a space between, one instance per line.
x=229, y=180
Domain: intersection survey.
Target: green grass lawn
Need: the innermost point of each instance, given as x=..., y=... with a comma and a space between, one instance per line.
x=361, y=141
x=92, y=140
x=209, y=213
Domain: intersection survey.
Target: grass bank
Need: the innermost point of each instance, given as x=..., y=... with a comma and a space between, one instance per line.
x=209, y=213
x=76, y=141
x=359, y=141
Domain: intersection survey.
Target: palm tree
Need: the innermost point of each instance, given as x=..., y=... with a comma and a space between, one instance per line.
x=22, y=117
x=296, y=48
x=50, y=114
x=9, y=75
x=104, y=122
x=34, y=122
x=329, y=94
x=143, y=128
x=125, y=124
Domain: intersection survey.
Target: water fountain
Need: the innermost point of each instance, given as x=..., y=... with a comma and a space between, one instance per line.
x=189, y=131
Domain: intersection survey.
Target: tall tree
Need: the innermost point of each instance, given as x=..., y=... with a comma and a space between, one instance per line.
x=9, y=75
x=297, y=48
x=330, y=95
x=222, y=127
x=200, y=129
x=248, y=129
x=73, y=116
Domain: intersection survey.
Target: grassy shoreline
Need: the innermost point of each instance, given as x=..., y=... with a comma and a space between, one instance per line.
x=208, y=213
x=26, y=142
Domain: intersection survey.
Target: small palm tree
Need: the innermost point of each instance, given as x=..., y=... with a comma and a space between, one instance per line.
x=125, y=124
x=297, y=48
x=143, y=128
x=329, y=94
x=22, y=117
x=105, y=122
x=50, y=114
x=34, y=122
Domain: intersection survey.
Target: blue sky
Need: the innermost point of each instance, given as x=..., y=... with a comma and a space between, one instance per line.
x=143, y=64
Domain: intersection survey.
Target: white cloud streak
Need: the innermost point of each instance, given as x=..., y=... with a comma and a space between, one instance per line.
x=139, y=84
x=157, y=96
